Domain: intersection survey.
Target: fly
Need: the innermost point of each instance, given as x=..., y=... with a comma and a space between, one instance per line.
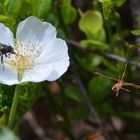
x=6, y=50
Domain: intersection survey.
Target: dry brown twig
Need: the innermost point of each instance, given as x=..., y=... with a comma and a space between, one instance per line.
x=120, y=83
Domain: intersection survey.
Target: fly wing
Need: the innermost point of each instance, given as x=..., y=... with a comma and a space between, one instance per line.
x=1, y=47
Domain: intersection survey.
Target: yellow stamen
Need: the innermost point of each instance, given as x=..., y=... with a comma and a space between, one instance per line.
x=25, y=58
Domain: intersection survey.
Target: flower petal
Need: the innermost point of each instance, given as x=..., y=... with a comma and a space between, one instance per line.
x=33, y=30
x=56, y=55
x=8, y=76
x=36, y=75
x=6, y=36
x=51, y=64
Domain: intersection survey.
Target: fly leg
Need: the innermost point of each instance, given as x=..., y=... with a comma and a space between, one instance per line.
x=2, y=61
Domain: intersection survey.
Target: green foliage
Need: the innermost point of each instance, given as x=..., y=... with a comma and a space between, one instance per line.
x=6, y=95
x=7, y=20
x=91, y=23
x=118, y=3
x=3, y=120
x=80, y=112
x=74, y=93
x=27, y=96
x=41, y=8
x=93, y=44
x=98, y=89
x=14, y=7
x=102, y=48
x=90, y=62
x=106, y=108
x=107, y=6
x=44, y=8
x=130, y=116
x=68, y=12
x=136, y=32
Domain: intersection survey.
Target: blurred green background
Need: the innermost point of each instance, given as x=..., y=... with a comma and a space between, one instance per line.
x=102, y=36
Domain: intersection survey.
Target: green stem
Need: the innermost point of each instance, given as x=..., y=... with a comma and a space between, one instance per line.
x=14, y=108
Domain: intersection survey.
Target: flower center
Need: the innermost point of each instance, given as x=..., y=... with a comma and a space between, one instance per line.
x=25, y=57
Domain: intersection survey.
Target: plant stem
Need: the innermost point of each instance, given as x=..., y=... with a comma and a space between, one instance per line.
x=12, y=114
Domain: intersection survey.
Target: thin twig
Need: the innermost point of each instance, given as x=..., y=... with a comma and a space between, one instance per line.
x=82, y=88
x=106, y=55
x=121, y=59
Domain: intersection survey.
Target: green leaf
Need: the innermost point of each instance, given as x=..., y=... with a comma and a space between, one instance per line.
x=80, y=112
x=6, y=96
x=136, y=32
x=6, y=2
x=27, y=96
x=35, y=6
x=101, y=36
x=102, y=0
x=91, y=23
x=68, y=13
x=107, y=6
x=29, y=1
x=133, y=116
x=44, y=8
x=89, y=62
x=134, y=46
x=66, y=2
x=98, y=88
x=14, y=7
x=3, y=120
x=94, y=44
x=106, y=108
x=118, y=3
x=74, y=93
x=7, y=20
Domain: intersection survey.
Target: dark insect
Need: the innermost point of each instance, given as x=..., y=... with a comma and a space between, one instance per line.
x=5, y=50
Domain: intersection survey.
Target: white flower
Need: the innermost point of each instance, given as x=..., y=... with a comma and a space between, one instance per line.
x=40, y=55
